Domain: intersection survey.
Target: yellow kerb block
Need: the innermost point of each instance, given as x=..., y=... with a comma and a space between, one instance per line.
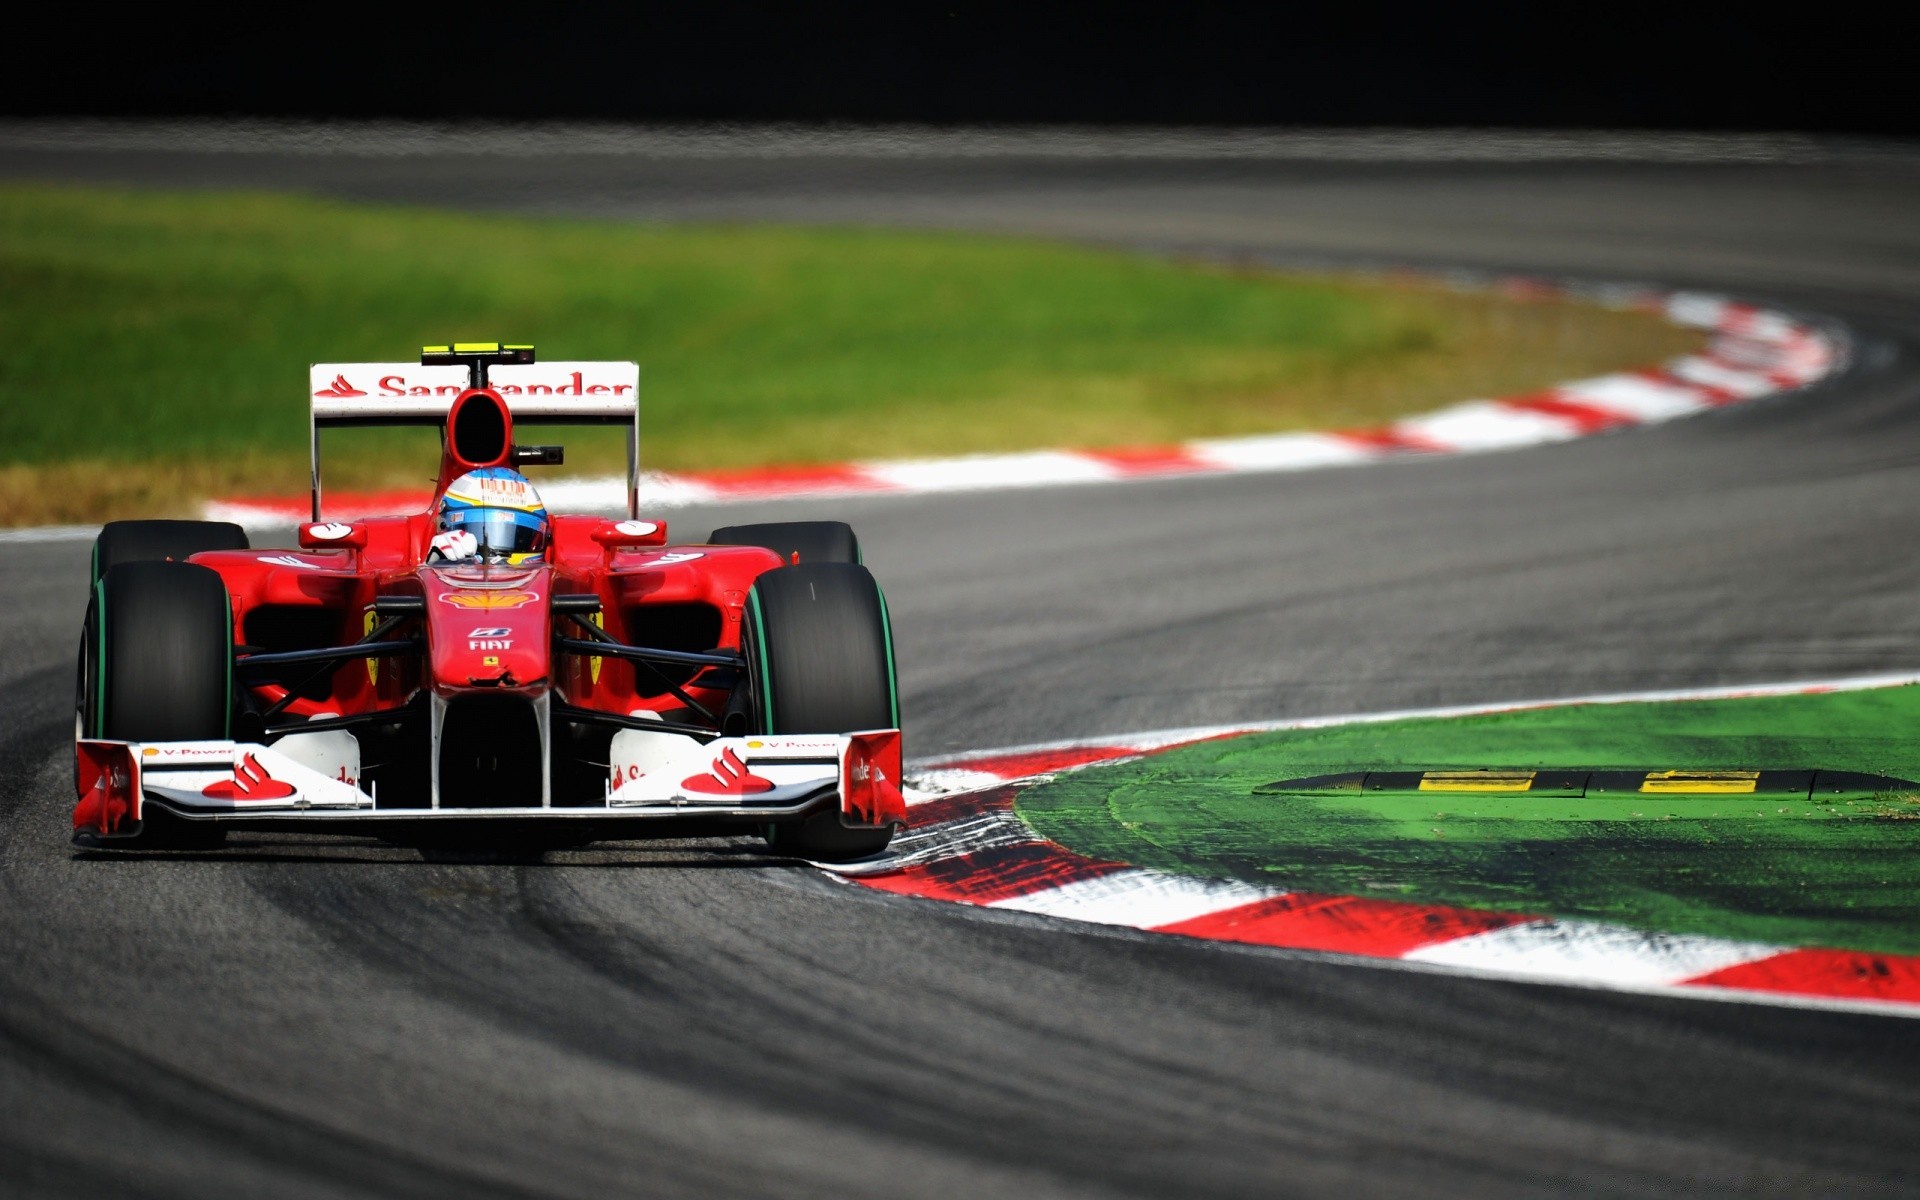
x=1697, y=783
x=1476, y=781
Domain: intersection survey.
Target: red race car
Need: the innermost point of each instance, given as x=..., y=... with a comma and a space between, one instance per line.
x=484, y=669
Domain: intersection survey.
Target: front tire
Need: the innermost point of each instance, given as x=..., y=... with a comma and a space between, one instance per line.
x=820, y=660
x=156, y=665
x=165, y=653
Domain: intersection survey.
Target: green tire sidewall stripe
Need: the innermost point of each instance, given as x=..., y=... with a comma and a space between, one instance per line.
x=760, y=652
x=226, y=639
x=99, y=658
x=893, y=683
x=100, y=662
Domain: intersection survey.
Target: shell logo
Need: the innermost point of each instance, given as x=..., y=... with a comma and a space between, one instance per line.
x=488, y=599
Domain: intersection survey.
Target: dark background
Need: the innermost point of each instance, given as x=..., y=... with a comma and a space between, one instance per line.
x=1786, y=67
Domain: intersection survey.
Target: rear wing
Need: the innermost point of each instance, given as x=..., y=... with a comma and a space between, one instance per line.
x=422, y=393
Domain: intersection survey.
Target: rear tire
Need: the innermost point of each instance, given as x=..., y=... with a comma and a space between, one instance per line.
x=814, y=541
x=157, y=541
x=820, y=660
x=156, y=665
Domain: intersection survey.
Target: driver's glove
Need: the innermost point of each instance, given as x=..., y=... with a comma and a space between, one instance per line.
x=454, y=545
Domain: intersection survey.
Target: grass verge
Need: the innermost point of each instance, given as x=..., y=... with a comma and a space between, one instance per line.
x=1839, y=871
x=159, y=341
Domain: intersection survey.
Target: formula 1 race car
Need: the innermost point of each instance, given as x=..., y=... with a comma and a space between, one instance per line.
x=483, y=669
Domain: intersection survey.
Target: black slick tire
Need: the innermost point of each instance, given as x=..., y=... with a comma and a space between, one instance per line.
x=820, y=660
x=156, y=665
x=813, y=541
x=158, y=541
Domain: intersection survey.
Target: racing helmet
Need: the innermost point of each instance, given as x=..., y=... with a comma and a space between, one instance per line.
x=501, y=510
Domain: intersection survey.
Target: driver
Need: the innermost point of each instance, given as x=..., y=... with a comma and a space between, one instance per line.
x=490, y=515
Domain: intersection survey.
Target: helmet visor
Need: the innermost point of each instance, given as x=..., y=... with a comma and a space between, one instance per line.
x=500, y=531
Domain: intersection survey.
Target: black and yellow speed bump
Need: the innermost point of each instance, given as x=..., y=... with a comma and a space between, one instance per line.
x=1805, y=784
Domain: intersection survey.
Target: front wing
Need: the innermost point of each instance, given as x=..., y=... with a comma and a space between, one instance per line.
x=242, y=784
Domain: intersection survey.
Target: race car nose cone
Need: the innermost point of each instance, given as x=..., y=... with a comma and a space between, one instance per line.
x=488, y=630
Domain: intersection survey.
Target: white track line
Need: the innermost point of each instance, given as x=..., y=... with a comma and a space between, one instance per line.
x=938, y=768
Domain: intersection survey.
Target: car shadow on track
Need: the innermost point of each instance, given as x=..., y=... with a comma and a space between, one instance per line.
x=599, y=855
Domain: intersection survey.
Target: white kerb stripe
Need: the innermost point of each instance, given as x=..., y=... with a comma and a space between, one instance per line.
x=1696, y=308
x=963, y=835
x=667, y=491
x=581, y=495
x=1770, y=327
x=252, y=516
x=1281, y=452
x=928, y=786
x=1140, y=898
x=1487, y=425
x=1590, y=950
x=1636, y=397
x=989, y=471
x=1744, y=384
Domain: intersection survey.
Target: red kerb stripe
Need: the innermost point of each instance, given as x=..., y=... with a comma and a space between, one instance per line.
x=1347, y=924
x=1840, y=974
x=1736, y=317
x=959, y=805
x=1587, y=418
x=1388, y=438
x=1150, y=460
x=990, y=875
x=1706, y=391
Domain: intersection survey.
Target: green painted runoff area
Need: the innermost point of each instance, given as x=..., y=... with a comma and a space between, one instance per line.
x=1841, y=871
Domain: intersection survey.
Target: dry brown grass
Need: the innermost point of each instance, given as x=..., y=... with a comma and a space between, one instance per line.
x=90, y=491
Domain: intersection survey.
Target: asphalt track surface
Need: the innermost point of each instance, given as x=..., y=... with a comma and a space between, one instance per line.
x=295, y=1017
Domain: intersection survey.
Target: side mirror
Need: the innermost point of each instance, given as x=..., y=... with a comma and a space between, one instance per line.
x=619, y=535
x=332, y=535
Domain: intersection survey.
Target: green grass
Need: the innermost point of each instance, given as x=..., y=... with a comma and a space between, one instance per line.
x=160, y=340
x=1843, y=871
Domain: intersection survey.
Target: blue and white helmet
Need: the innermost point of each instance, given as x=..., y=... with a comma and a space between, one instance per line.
x=501, y=510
